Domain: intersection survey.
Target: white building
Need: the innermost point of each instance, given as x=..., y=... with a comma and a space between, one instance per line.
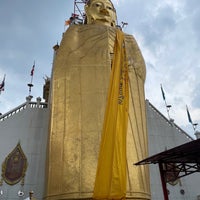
x=27, y=125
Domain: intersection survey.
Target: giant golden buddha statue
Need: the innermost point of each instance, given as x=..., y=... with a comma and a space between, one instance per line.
x=98, y=118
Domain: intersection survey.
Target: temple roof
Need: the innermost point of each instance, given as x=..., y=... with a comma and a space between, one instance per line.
x=186, y=153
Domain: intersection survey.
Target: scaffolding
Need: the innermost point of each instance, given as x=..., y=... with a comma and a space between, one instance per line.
x=78, y=16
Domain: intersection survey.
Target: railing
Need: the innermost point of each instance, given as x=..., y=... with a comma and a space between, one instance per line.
x=170, y=122
x=21, y=107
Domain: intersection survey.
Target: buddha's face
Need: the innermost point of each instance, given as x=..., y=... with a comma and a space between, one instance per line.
x=100, y=12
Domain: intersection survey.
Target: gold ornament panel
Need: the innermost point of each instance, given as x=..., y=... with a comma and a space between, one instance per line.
x=14, y=166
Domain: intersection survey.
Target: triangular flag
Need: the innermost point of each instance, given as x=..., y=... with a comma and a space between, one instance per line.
x=32, y=70
x=2, y=85
x=163, y=94
x=189, y=117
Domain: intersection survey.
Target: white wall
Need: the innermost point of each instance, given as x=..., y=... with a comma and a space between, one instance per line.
x=165, y=135
x=30, y=128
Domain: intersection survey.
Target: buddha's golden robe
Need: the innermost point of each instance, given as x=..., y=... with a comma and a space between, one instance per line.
x=80, y=79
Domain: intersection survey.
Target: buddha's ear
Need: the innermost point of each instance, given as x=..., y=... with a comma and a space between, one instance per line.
x=88, y=16
x=86, y=7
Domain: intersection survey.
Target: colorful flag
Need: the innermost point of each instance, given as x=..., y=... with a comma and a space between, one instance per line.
x=2, y=85
x=67, y=22
x=189, y=117
x=163, y=94
x=32, y=70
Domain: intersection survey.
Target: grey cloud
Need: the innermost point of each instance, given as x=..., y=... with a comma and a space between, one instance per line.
x=150, y=66
x=156, y=28
x=192, y=9
x=196, y=96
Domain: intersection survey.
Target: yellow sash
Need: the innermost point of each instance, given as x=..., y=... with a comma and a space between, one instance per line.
x=110, y=180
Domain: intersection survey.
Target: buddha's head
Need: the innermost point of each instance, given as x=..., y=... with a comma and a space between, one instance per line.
x=100, y=12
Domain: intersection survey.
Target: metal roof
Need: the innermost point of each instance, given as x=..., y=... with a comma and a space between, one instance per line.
x=186, y=153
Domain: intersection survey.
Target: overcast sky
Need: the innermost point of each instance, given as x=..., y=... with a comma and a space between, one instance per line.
x=167, y=31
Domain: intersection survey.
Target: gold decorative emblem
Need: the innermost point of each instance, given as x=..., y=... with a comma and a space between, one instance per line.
x=14, y=166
